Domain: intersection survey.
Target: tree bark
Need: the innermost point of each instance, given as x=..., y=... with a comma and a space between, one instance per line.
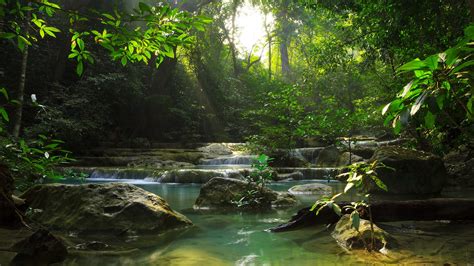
x=471, y=8
x=18, y=111
x=388, y=211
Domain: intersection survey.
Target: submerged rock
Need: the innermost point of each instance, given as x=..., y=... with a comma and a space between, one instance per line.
x=41, y=248
x=311, y=189
x=107, y=208
x=228, y=193
x=414, y=172
x=349, y=238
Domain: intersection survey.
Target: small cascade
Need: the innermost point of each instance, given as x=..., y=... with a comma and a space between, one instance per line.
x=325, y=173
x=306, y=154
x=123, y=174
x=230, y=160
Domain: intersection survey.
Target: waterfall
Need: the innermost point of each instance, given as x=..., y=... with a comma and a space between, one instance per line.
x=306, y=154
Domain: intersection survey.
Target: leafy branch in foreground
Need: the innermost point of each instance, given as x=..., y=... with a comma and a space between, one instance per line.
x=440, y=93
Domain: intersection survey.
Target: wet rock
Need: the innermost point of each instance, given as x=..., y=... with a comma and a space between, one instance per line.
x=290, y=176
x=328, y=157
x=460, y=166
x=311, y=189
x=416, y=172
x=106, y=208
x=216, y=149
x=9, y=214
x=349, y=238
x=92, y=245
x=348, y=158
x=225, y=193
x=191, y=176
x=41, y=248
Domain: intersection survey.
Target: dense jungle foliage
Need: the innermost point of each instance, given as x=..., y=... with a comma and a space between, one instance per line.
x=127, y=73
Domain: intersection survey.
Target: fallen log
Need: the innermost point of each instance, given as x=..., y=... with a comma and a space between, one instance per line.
x=388, y=211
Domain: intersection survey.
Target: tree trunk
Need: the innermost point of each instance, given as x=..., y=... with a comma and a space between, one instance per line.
x=388, y=211
x=18, y=111
x=284, y=36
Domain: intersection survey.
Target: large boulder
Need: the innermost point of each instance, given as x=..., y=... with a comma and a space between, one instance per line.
x=460, y=166
x=114, y=207
x=413, y=172
x=349, y=238
x=311, y=189
x=195, y=176
x=227, y=193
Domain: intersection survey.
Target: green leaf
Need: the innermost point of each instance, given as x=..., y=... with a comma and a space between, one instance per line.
x=337, y=209
x=348, y=187
x=4, y=114
x=355, y=219
x=80, y=68
x=144, y=7
x=440, y=99
x=7, y=35
x=80, y=43
x=124, y=61
x=419, y=102
x=412, y=65
x=4, y=92
x=469, y=32
x=379, y=182
x=432, y=62
x=462, y=66
x=430, y=119
x=406, y=89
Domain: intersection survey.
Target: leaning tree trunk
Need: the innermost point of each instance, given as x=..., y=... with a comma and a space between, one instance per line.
x=388, y=211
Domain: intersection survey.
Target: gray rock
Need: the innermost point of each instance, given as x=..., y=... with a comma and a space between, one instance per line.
x=290, y=176
x=216, y=149
x=349, y=238
x=191, y=176
x=328, y=157
x=460, y=166
x=104, y=208
x=347, y=158
x=416, y=172
x=225, y=193
x=41, y=248
x=311, y=189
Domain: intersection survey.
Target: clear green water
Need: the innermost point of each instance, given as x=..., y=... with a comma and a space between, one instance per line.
x=242, y=239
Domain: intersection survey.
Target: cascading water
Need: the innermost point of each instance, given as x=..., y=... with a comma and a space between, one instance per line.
x=309, y=155
x=230, y=160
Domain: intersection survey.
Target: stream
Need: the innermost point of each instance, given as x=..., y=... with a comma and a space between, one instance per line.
x=241, y=238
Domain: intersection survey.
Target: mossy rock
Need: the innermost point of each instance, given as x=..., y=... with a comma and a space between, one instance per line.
x=349, y=238
x=413, y=172
x=103, y=208
x=224, y=193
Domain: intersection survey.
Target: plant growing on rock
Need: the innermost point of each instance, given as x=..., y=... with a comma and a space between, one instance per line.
x=260, y=175
x=359, y=176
